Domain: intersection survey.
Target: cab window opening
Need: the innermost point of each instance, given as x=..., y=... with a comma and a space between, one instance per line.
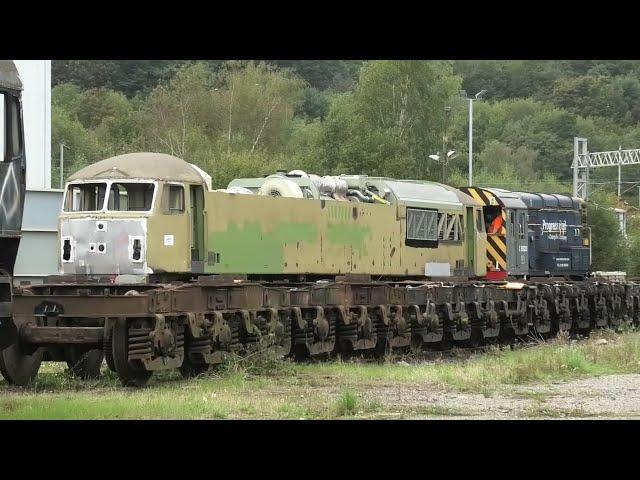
x=131, y=197
x=3, y=128
x=10, y=128
x=87, y=197
x=176, y=198
x=15, y=146
x=493, y=220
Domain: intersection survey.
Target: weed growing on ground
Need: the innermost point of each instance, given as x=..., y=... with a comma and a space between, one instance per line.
x=347, y=404
x=260, y=360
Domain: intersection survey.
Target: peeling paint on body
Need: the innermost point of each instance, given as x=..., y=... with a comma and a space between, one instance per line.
x=250, y=248
x=354, y=236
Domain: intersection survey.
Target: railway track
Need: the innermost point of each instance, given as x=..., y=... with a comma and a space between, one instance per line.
x=143, y=328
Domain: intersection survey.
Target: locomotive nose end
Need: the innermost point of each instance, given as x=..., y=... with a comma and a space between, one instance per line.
x=103, y=246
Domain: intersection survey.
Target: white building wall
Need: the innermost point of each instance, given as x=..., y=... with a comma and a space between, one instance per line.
x=36, y=107
x=38, y=252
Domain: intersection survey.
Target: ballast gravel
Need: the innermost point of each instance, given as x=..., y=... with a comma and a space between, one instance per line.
x=606, y=397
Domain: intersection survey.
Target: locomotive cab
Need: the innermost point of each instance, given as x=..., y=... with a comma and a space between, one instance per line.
x=505, y=216
x=120, y=213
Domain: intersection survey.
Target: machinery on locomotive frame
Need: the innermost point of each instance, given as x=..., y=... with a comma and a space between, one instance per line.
x=160, y=271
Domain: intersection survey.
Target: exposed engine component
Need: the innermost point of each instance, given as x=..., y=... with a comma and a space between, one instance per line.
x=330, y=187
x=277, y=186
x=298, y=173
x=358, y=196
x=236, y=190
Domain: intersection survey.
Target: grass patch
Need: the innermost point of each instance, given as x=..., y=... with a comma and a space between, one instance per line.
x=483, y=373
x=261, y=387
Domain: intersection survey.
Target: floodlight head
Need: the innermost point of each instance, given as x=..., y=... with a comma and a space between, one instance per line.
x=435, y=157
x=463, y=93
x=450, y=153
x=480, y=94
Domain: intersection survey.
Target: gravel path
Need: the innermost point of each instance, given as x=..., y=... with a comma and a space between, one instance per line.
x=613, y=396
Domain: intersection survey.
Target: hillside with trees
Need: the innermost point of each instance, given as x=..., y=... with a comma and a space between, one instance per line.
x=246, y=118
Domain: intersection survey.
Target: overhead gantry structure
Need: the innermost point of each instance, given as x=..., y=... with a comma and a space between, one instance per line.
x=583, y=160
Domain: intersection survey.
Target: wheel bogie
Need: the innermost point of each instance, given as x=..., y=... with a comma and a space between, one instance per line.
x=177, y=331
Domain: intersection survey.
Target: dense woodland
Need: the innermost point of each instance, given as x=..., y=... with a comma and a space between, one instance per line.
x=246, y=118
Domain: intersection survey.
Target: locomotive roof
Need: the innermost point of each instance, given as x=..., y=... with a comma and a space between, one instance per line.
x=462, y=196
x=413, y=191
x=141, y=165
x=496, y=196
x=543, y=200
x=9, y=77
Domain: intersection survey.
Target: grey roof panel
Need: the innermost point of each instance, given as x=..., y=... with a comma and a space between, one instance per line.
x=564, y=201
x=550, y=201
x=531, y=200
x=508, y=199
x=423, y=191
x=9, y=77
x=543, y=200
x=141, y=165
x=463, y=197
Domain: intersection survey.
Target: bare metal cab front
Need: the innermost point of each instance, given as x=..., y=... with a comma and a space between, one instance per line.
x=103, y=226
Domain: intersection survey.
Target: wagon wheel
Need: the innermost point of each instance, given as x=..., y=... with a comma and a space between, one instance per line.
x=188, y=369
x=19, y=367
x=84, y=361
x=416, y=347
x=108, y=350
x=130, y=375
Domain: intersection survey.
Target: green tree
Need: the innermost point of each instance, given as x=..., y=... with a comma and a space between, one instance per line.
x=82, y=146
x=610, y=250
x=392, y=121
x=336, y=75
x=126, y=76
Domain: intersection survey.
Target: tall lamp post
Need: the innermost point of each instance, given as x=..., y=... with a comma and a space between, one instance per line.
x=62, y=147
x=444, y=159
x=447, y=110
x=477, y=96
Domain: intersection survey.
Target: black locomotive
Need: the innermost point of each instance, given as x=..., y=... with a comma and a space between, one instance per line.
x=534, y=234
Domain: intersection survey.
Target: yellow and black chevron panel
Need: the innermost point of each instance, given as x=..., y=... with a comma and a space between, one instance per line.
x=485, y=197
x=497, y=251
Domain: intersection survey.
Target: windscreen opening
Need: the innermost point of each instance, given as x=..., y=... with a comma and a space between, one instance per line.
x=493, y=221
x=3, y=128
x=131, y=197
x=88, y=197
x=10, y=128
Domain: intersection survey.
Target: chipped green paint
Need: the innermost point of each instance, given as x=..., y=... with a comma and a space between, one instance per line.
x=349, y=234
x=249, y=249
